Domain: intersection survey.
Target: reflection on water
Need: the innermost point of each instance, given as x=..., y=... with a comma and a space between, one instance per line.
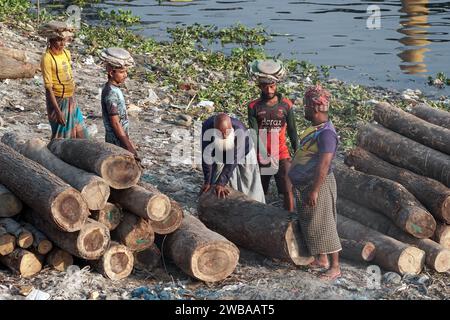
x=414, y=27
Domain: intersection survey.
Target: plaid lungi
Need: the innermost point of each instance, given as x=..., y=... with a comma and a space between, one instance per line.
x=318, y=224
x=75, y=126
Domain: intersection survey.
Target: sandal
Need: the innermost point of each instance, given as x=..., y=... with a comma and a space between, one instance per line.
x=328, y=277
x=317, y=266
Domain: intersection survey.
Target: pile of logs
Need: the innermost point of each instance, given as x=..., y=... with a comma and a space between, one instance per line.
x=394, y=191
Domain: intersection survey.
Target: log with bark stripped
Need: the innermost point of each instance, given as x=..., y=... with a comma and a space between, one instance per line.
x=431, y=193
x=246, y=222
x=40, y=242
x=110, y=216
x=93, y=188
x=386, y=196
x=432, y=115
x=200, y=252
x=22, y=262
x=7, y=242
x=10, y=205
x=172, y=222
x=134, y=232
x=24, y=238
x=56, y=201
x=361, y=251
x=114, y=164
x=148, y=259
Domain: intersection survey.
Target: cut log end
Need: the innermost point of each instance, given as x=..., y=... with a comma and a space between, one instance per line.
x=120, y=171
x=44, y=247
x=25, y=239
x=442, y=261
x=7, y=244
x=93, y=240
x=148, y=259
x=118, y=262
x=29, y=265
x=296, y=251
x=70, y=210
x=159, y=207
x=445, y=209
x=214, y=261
x=442, y=236
x=171, y=223
x=59, y=259
x=411, y=261
x=110, y=216
x=420, y=223
x=368, y=252
x=96, y=194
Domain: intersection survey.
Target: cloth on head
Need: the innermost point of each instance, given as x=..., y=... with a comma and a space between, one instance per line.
x=56, y=29
x=117, y=58
x=317, y=96
x=267, y=71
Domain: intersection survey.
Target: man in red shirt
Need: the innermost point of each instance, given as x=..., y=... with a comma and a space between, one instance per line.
x=272, y=117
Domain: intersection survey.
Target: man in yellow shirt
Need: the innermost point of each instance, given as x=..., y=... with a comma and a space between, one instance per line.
x=63, y=113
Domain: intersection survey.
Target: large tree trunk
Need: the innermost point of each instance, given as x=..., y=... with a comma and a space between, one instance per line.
x=114, y=164
x=134, y=232
x=117, y=262
x=391, y=254
x=93, y=188
x=59, y=259
x=404, y=152
x=22, y=262
x=361, y=251
x=142, y=202
x=431, y=193
x=7, y=242
x=11, y=68
x=54, y=200
x=110, y=216
x=265, y=229
x=410, y=126
x=386, y=196
x=40, y=242
x=148, y=259
x=10, y=205
x=172, y=222
x=89, y=243
x=432, y=115
x=200, y=252
x=19, y=55
x=437, y=257
x=24, y=237
x=442, y=235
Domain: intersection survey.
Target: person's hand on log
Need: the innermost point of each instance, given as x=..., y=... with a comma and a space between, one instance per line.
x=205, y=188
x=313, y=195
x=221, y=191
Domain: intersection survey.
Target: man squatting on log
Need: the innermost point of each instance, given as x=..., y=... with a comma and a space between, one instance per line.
x=312, y=175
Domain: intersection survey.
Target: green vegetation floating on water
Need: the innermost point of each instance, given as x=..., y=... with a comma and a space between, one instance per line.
x=187, y=63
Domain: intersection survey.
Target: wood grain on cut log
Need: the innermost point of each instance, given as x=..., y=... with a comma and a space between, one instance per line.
x=386, y=196
x=134, y=232
x=431, y=193
x=10, y=205
x=172, y=222
x=117, y=262
x=7, y=242
x=437, y=257
x=246, y=222
x=442, y=235
x=40, y=242
x=362, y=251
x=22, y=262
x=11, y=68
x=432, y=115
x=24, y=238
x=40, y=189
x=110, y=216
x=200, y=252
x=89, y=243
x=148, y=258
x=391, y=254
x=59, y=259
x=404, y=152
x=92, y=188
x=142, y=202
x=114, y=164
x=410, y=126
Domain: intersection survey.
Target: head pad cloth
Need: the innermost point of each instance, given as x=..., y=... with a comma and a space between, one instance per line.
x=317, y=97
x=267, y=71
x=56, y=29
x=117, y=58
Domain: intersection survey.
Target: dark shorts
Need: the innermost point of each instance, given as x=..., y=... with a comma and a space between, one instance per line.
x=281, y=178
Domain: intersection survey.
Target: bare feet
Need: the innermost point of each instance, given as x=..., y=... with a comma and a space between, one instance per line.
x=331, y=274
x=318, y=264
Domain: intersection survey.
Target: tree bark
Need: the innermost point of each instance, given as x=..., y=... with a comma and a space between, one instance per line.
x=40, y=242
x=200, y=252
x=432, y=115
x=410, y=126
x=391, y=254
x=13, y=53
x=24, y=238
x=10, y=205
x=117, y=262
x=142, y=202
x=148, y=259
x=442, y=235
x=361, y=251
x=11, y=68
x=22, y=262
x=405, y=153
x=431, y=193
x=386, y=196
x=134, y=232
x=172, y=222
x=59, y=259
x=89, y=243
x=436, y=256
x=110, y=216
x=56, y=201
x=265, y=229
x=114, y=164
x=93, y=188
x=7, y=242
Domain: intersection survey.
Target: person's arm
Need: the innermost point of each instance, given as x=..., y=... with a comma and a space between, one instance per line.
x=46, y=67
x=292, y=129
x=121, y=134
